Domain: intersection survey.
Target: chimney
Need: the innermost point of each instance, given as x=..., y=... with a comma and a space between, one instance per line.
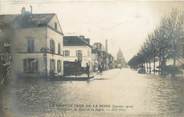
x=31, y=9
x=106, y=45
x=87, y=40
x=81, y=36
x=23, y=10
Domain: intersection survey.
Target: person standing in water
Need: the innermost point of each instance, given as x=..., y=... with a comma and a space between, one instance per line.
x=87, y=69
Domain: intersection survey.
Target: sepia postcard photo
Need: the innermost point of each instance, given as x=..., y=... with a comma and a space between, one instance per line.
x=91, y=58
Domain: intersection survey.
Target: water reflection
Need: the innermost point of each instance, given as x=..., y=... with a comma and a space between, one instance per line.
x=147, y=94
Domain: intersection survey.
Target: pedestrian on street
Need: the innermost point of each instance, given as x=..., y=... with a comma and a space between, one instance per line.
x=100, y=68
x=87, y=69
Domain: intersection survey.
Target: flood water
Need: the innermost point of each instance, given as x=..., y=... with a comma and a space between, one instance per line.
x=115, y=93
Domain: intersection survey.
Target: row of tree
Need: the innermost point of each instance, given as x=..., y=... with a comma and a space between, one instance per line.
x=163, y=44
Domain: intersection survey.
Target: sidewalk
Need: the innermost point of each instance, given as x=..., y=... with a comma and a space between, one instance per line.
x=81, y=77
x=93, y=76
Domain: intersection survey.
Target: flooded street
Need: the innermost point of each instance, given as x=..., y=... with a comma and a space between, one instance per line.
x=136, y=94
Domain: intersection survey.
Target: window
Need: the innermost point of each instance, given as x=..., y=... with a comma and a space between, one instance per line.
x=59, y=49
x=55, y=25
x=59, y=66
x=30, y=45
x=79, y=55
x=30, y=65
x=52, y=65
x=66, y=53
x=52, y=46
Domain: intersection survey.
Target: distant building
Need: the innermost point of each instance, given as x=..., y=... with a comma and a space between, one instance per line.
x=97, y=55
x=98, y=46
x=37, y=44
x=120, y=62
x=101, y=57
x=96, y=58
x=77, y=48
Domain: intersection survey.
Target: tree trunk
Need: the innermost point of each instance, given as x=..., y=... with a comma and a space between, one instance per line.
x=154, y=64
x=174, y=57
x=150, y=67
x=160, y=70
x=163, y=63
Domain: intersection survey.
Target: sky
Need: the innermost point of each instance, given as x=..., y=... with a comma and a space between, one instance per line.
x=125, y=24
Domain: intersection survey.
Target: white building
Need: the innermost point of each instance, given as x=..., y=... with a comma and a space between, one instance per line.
x=77, y=48
x=37, y=44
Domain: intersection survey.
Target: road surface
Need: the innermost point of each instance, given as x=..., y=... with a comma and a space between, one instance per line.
x=115, y=93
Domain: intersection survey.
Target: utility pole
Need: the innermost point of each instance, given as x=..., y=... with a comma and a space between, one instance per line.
x=0, y=7
x=106, y=45
x=154, y=62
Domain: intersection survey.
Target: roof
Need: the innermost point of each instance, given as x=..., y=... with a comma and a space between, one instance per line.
x=6, y=20
x=75, y=41
x=26, y=20
x=33, y=20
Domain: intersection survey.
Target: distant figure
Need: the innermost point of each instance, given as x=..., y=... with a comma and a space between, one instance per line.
x=87, y=69
x=100, y=68
x=119, y=66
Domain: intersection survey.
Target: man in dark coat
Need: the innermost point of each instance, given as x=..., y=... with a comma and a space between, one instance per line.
x=87, y=69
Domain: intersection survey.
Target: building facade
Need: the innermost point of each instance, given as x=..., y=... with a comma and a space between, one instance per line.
x=37, y=45
x=102, y=59
x=77, y=48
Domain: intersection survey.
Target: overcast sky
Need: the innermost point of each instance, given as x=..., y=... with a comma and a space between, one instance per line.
x=124, y=24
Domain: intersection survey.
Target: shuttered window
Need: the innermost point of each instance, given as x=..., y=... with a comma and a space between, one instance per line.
x=52, y=46
x=59, y=66
x=66, y=53
x=59, y=49
x=52, y=65
x=30, y=45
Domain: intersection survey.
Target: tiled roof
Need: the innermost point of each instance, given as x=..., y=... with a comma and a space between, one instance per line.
x=26, y=20
x=35, y=20
x=6, y=20
x=75, y=41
